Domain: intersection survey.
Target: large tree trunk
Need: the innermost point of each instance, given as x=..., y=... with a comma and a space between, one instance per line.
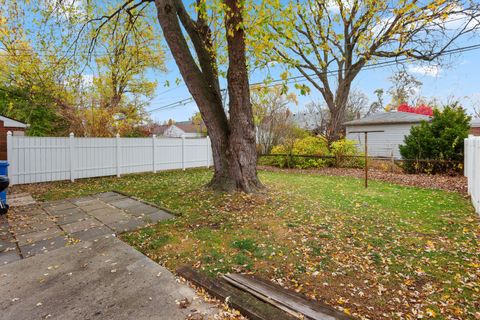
x=233, y=138
x=335, y=123
x=337, y=108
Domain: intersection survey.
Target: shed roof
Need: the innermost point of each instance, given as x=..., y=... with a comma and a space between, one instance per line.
x=475, y=123
x=389, y=118
x=12, y=123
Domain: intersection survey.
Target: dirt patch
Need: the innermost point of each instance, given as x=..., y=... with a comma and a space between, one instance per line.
x=443, y=182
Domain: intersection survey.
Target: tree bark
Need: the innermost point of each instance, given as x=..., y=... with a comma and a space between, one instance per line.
x=233, y=138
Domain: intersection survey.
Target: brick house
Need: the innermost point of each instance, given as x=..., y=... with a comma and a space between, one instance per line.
x=7, y=124
x=475, y=127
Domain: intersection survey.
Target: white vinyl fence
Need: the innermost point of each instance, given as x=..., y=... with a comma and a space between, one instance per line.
x=39, y=159
x=472, y=169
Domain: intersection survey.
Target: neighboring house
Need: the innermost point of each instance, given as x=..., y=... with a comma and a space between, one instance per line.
x=7, y=124
x=395, y=126
x=475, y=127
x=185, y=128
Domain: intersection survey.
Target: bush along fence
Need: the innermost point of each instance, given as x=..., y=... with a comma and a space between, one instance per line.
x=41, y=159
x=472, y=169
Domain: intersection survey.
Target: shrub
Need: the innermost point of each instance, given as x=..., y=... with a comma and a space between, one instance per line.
x=312, y=146
x=439, y=142
x=421, y=109
x=346, y=154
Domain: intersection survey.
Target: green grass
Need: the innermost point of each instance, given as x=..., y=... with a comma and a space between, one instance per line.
x=386, y=252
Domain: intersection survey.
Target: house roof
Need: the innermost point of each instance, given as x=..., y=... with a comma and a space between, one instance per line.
x=187, y=127
x=9, y=122
x=389, y=118
x=475, y=123
x=159, y=129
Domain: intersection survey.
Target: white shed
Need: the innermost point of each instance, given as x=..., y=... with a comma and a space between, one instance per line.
x=395, y=126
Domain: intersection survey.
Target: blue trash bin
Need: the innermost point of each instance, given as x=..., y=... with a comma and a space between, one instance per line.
x=3, y=172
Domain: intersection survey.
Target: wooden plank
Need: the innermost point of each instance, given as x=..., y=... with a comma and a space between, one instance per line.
x=247, y=304
x=285, y=299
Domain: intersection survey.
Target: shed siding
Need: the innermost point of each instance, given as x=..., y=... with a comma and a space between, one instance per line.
x=381, y=143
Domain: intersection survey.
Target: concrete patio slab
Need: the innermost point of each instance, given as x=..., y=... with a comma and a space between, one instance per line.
x=105, y=279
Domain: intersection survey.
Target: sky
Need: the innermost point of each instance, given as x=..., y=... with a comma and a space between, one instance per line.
x=458, y=77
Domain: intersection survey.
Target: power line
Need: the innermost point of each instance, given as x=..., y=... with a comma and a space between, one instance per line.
x=302, y=78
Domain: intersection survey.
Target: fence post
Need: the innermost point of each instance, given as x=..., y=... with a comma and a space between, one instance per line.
x=392, y=162
x=154, y=137
x=208, y=152
x=183, y=152
x=476, y=174
x=10, y=156
x=117, y=145
x=72, y=156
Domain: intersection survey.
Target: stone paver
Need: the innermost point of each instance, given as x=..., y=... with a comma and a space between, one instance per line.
x=40, y=228
x=125, y=203
x=37, y=236
x=92, y=234
x=70, y=218
x=81, y=225
x=40, y=225
x=8, y=257
x=43, y=246
x=103, y=279
x=140, y=209
x=20, y=199
x=63, y=212
x=126, y=225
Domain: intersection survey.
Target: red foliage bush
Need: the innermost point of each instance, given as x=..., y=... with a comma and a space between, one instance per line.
x=421, y=109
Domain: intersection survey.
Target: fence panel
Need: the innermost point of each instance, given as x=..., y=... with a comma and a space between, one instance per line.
x=35, y=159
x=472, y=169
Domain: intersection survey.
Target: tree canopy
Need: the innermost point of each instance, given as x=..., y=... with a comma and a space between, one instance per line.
x=330, y=42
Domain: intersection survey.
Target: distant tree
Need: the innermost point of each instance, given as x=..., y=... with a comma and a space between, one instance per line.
x=271, y=115
x=404, y=88
x=358, y=105
x=199, y=124
x=438, y=140
x=378, y=104
x=31, y=90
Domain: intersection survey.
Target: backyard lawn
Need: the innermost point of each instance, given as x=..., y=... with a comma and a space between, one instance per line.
x=387, y=252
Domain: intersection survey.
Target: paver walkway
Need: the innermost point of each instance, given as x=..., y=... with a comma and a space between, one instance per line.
x=43, y=227
x=61, y=260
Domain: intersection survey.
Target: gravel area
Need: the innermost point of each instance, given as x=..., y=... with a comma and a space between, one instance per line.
x=443, y=182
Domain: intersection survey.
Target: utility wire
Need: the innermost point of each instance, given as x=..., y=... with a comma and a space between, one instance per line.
x=302, y=78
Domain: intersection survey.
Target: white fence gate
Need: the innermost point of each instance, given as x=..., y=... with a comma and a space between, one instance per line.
x=472, y=169
x=39, y=159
